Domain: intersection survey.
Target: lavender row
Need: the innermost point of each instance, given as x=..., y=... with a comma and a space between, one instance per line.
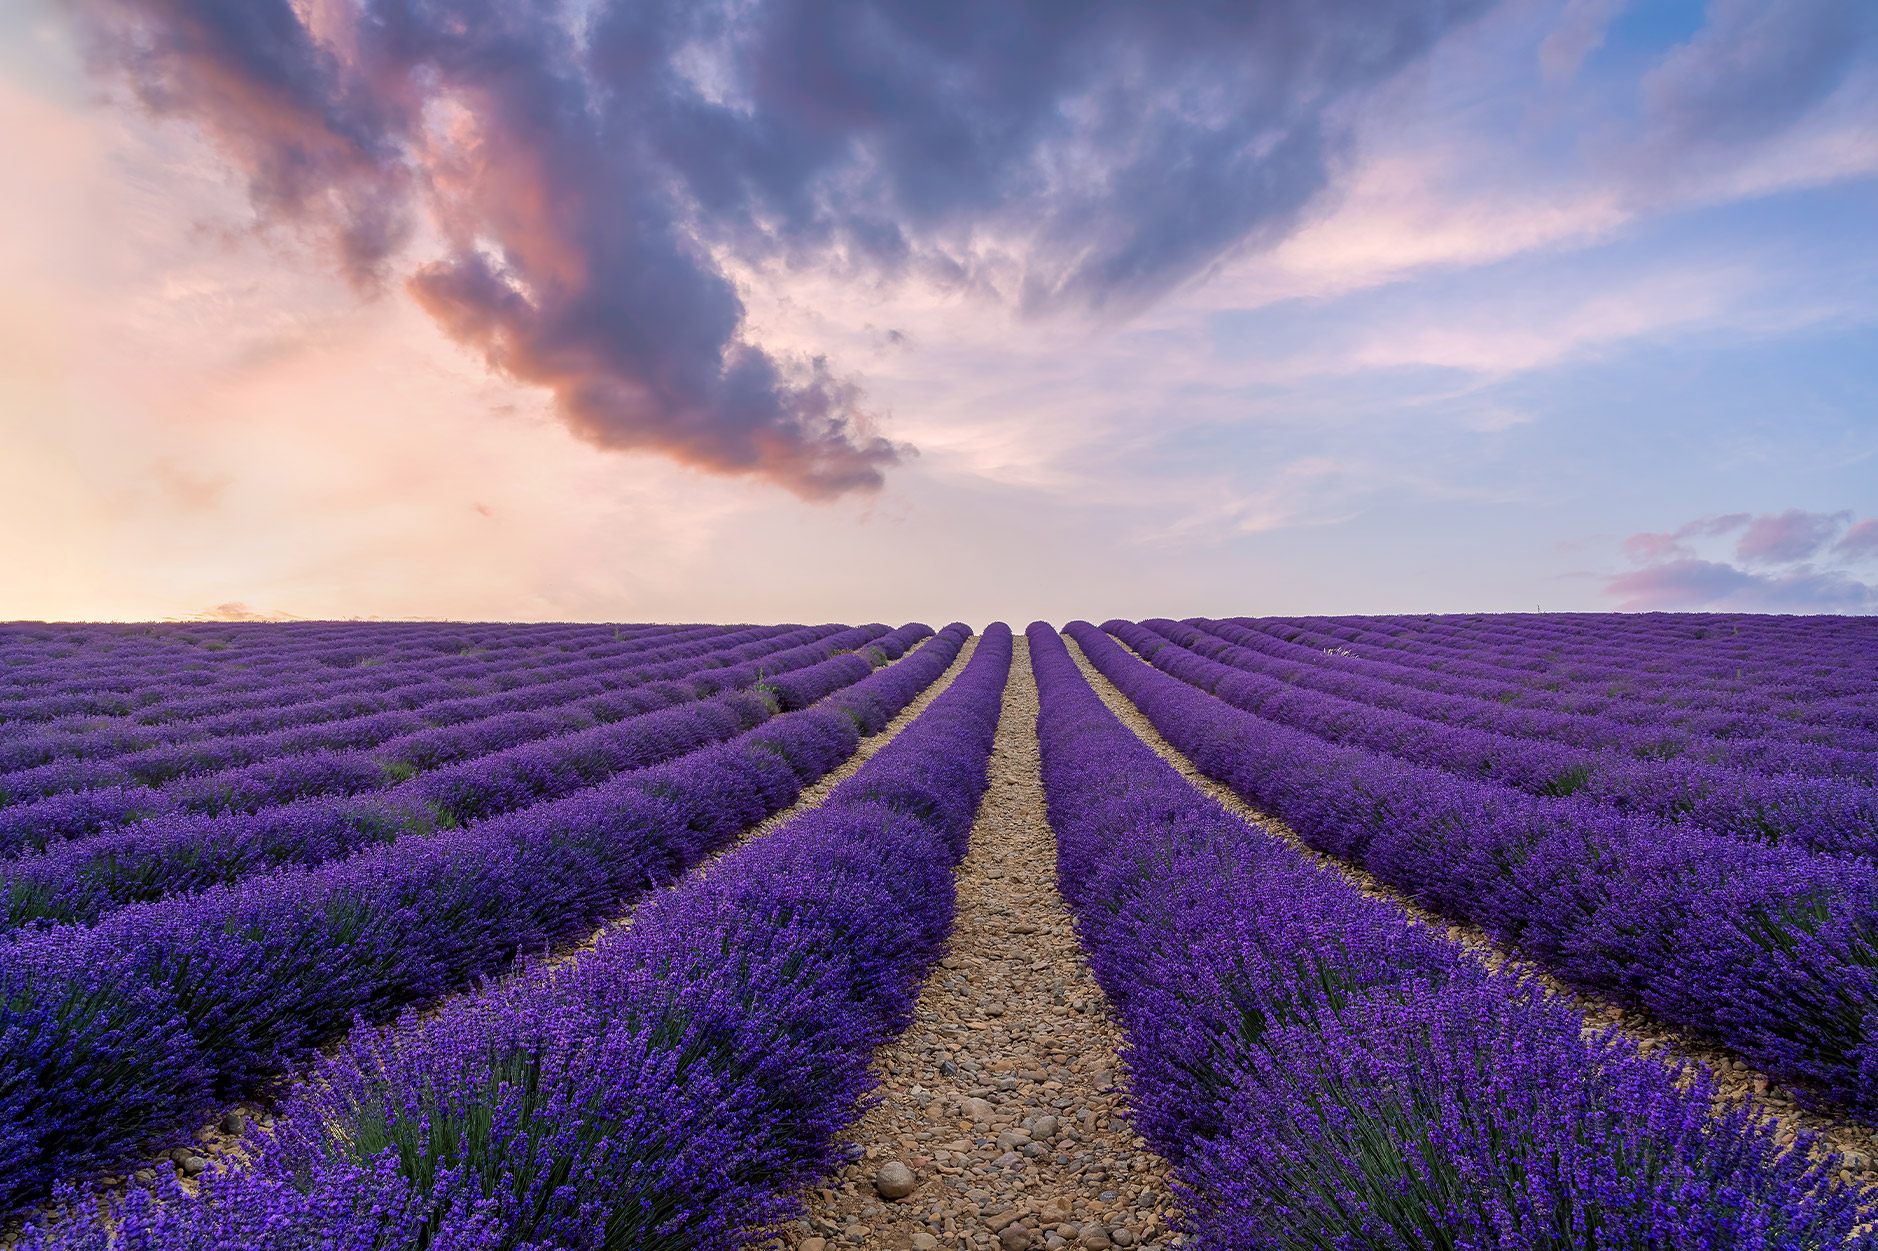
x=89, y=660
x=119, y=1034
x=123, y=754
x=197, y=695
x=168, y=697
x=433, y=711
x=675, y=1089
x=1824, y=655
x=1745, y=711
x=1811, y=658
x=1806, y=689
x=1672, y=711
x=1619, y=663
x=296, y=700
x=275, y=783
x=1506, y=710
x=101, y=664
x=489, y=774
x=647, y=686
x=1770, y=950
x=82, y=879
x=1324, y=1074
x=1820, y=814
x=316, y=706
x=45, y=653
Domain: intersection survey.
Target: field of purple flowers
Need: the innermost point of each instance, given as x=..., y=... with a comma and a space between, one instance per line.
x=522, y=939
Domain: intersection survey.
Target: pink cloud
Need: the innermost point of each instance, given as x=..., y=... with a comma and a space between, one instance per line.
x=1860, y=542
x=1774, y=573
x=1789, y=536
x=1649, y=548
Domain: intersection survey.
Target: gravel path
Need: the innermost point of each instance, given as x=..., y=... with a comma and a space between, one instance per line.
x=1000, y=1105
x=1735, y=1080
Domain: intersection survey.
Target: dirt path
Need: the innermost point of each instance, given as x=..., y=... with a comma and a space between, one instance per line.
x=1736, y=1081
x=1001, y=1100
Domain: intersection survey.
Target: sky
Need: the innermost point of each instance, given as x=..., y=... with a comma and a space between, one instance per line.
x=848, y=310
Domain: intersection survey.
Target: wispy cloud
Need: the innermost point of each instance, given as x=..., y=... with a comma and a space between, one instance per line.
x=1762, y=97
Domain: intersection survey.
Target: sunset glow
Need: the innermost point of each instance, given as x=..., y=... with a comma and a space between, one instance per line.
x=785, y=311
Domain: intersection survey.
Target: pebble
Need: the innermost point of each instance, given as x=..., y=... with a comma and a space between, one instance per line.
x=895, y=1181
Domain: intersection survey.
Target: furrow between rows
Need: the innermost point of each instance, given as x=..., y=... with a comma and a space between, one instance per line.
x=1001, y=1121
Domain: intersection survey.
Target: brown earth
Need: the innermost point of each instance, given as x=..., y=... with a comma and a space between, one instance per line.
x=1011, y=1029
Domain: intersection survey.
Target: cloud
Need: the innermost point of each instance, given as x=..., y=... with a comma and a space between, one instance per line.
x=1790, y=536
x=1858, y=543
x=1780, y=547
x=1755, y=69
x=1579, y=33
x=1690, y=583
x=235, y=610
x=1764, y=95
x=559, y=184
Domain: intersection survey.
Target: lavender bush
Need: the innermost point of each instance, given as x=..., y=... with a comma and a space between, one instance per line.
x=1652, y=689
x=1772, y=950
x=674, y=1089
x=187, y=689
x=120, y=1033
x=1824, y=814
x=280, y=777
x=1326, y=1074
x=315, y=716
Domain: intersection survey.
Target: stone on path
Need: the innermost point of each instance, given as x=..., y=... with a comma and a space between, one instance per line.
x=895, y=1181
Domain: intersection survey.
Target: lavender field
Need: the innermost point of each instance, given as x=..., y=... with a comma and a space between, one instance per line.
x=1534, y=931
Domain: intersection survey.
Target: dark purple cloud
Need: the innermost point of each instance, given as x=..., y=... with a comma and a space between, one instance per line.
x=585, y=162
x=1780, y=549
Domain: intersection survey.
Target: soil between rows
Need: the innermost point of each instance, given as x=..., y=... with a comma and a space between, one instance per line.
x=1011, y=1029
